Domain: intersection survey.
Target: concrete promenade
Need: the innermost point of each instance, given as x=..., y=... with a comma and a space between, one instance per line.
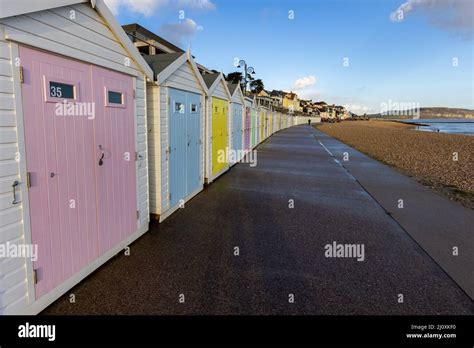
x=281, y=216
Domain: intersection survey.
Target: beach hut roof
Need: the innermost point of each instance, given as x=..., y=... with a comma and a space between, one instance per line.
x=232, y=87
x=213, y=80
x=235, y=88
x=209, y=79
x=277, y=93
x=164, y=65
x=160, y=62
x=147, y=34
x=12, y=8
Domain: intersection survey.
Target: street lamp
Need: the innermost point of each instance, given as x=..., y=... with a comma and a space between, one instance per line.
x=248, y=72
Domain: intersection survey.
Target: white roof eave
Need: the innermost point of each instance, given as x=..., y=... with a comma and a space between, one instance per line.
x=220, y=79
x=10, y=8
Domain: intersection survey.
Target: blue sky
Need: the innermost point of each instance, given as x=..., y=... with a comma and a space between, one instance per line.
x=397, y=50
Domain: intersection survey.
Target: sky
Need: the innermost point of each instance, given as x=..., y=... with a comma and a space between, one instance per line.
x=363, y=54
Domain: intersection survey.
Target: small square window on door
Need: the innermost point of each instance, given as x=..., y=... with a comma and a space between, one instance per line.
x=193, y=108
x=179, y=108
x=114, y=98
x=58, y=90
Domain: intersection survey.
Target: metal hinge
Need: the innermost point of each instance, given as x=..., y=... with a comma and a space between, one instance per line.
x=169, y=196
x=35, y=277
x=21, y=74
x=138, y=214
x=136, y=156
x=28, y=179
x=134, y=94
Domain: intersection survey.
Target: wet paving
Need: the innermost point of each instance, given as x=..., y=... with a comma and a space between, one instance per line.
x=254, y=242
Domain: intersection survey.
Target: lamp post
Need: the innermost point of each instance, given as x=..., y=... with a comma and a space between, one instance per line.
x=248, y=72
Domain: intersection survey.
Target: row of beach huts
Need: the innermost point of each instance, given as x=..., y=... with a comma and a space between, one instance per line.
x=96, y=136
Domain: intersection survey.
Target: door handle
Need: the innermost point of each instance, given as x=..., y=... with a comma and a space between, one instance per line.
x=101, y=159
x=15, y=184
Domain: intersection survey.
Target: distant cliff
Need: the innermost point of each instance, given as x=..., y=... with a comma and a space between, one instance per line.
x=427, y=113
x=446, y=112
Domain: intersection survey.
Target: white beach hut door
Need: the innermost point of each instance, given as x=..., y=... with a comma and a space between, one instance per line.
x=60, y=160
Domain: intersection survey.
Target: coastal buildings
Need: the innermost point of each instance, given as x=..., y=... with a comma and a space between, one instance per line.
x=264, y=100
x=277, y=97
x=291, y=102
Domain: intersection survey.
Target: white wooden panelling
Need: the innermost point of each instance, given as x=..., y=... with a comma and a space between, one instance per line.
x=237, y=97
x=142, y=149
x=12, y=274
x=154, y=147
x=54, y=31
x=18, y=7
x=220, y=92
x=6, y=85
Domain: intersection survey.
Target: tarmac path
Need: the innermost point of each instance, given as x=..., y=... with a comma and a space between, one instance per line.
x=281, y=215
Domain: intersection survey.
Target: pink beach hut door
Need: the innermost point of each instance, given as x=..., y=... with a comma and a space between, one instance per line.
x=80, y=156
x=60, y=159
x=115, y=150
x=247, y=129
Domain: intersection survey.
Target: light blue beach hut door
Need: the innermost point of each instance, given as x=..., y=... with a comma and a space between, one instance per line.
x=177, y=145
x=237, y=126
x=184, y=142
x=193, y=143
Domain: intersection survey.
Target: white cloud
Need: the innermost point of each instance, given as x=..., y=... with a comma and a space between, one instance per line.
x=148, y=7
x=456, y=16
x=304, y=82
x=113, y=6
x=196, y=4
x=142, y=7
x=176, y=32
x=359, y=109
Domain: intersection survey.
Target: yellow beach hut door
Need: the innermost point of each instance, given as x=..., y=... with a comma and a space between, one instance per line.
x=219, y=134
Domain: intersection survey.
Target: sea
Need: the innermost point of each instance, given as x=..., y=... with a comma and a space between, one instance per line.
x=454, y=125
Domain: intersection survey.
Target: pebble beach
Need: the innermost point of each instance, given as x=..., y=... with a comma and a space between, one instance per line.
x=428, y=157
